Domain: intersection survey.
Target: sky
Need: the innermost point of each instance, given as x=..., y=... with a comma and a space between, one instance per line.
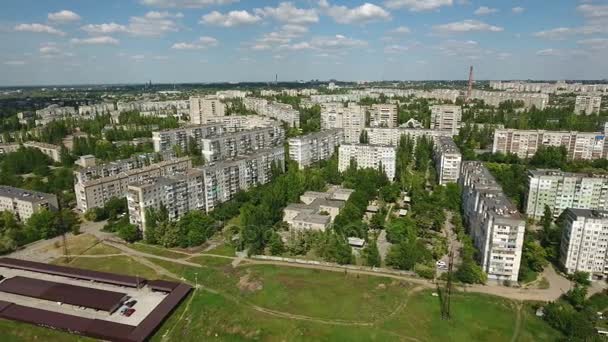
x=172, y=41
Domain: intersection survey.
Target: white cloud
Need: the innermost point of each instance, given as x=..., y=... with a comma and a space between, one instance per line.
x=401, y=30
x=593, y=12
x=274, y=39
x=161, y=58
x=185, y=3
x=286, y=12
x=557, y=33
x=595, y=43
x=418, y=5
x=504, y=55
x=64, y=16
x=15, y=63
x=49, y=49
x=549, y=52
x=485, y=10
x=99, y=40
x=38, y=28
x=153, y=24
x=202, y=43
x=518, y=10
x=230, y=19
x=336, y=42
x=466, y=26
x=137, y=57
x=395, y=48
x=357, y=15
x=104, y=28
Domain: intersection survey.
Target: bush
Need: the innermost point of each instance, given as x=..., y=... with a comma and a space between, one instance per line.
x=425, y=271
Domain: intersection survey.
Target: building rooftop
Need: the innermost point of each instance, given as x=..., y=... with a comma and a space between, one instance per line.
x=446, y=145
x=589, y=213
x=313, y=218
x=560, y=173
x=24, y=195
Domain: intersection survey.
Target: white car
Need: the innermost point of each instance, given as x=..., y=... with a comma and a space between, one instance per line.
x=441, y=264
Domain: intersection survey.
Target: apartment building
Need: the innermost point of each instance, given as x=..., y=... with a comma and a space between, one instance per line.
x=587, y=105
x=95, y=192
x=113, y=168
x=97, y=109
x=383, y=115
x=54, y=112
x=202, y=108
x=179, y=194
x=549, y=88
x=495, y=225
x=276, y=110
x=53, y=151
x=392, y=136
x=313, y=147
x=168, y=140
x=372, y=156
x=584, y=241
x=230, y=145
x=23, y=203
x=350, y=118
x=560, y=190
x=231, y=94
x=447, y=160
x=525, y=143
x=495, y=98
x=447, y=118
x=224, y=179
x=235, y=123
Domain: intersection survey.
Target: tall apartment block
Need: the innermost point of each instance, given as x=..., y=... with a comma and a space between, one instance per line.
x=560, y=190
x=392, y=136
x=224, y=179
x=372, y=156
x=279, y=111
x=313, y=147
x=167, y=140
x=351, y=118
x=23, y=203
x=525, y=143
x=202, y=108
x=94, y=192
x=383, y=115
x=495, y=98
x=447, y=160
x=495, y=225
x=584, y=241
x=587, y=105
x=444, y=117
x=234, y=144
x=178, y=193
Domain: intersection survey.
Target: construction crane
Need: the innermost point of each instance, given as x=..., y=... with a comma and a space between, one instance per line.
x=470, y=87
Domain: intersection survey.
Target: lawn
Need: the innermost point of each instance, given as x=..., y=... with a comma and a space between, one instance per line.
x=223, y=249
x=11, y=331
x=76, y=244
x=114, y=264
x=160, y=251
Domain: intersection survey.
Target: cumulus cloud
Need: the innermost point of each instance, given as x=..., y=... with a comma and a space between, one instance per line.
x=286, y=12
x=202, y=43
x=357, y=15
x=99, y=40
x=185, y=3
x=595, y=43
x=466, y=26
x=336, y=42
x=401, y=30
x=38, y=28
x=548, y=52
x=418, y=5
x=64, y=16
x=557, y=33
x=108, y=28
x=274, y=39
x=230, y=19
x=485, y=10
x=518, y=10
x=49, y=49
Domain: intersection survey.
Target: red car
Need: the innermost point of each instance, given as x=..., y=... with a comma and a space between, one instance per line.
x=129, y=312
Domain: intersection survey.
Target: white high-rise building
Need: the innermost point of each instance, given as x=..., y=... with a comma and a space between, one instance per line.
x=447, y=160
x=392, y=136
x=384, y=115
x=310, y=148
x=587, y=105
x=372, y=156
x=495, y=225
x=446, y=117
x=202, y=108
x=584, y=241
x=230, y=145
x=560, y=190
x=351, y=118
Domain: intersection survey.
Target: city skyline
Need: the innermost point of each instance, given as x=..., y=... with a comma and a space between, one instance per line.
x=173, y=41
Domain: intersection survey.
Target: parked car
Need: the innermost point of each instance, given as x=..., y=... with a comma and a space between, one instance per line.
x=441, y=264
x=131, y=303
x=129, y=312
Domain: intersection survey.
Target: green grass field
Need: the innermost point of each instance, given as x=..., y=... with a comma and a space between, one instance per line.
x=277, y=303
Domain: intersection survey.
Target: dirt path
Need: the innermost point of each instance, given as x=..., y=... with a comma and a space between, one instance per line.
x=518, y=322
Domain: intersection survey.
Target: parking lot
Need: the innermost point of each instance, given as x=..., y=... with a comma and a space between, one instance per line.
x=146, y=299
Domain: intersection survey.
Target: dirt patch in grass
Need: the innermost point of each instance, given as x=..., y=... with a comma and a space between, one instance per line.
x=250, y=283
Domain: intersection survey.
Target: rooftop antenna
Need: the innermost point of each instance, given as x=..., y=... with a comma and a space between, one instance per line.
x=470, y=87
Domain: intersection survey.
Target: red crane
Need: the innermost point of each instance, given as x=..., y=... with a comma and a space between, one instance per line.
x=470, y=88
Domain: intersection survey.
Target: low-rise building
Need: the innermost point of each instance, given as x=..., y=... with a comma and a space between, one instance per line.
x=318, y=209
x=560, y=190
x=313, y=147
x=85, y=161
x=495, y=225
x=379, y=157
x=23, y=203
x=447, y=160
x=587, y=105
x=584, y=241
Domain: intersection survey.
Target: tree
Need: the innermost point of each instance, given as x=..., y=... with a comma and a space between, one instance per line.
x=276, y=244
x=129, y=233
x=371, y=255
x=547, y=219
x=42, y=225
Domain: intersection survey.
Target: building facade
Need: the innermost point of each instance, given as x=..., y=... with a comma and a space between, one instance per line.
x=23, y=203
x=495, y=225
x=230, y=145
x=584, y=241
x=202, y=108
x=276, y=110
x=350, y=118
x=447, y=160
x=53, y=151
x=587, y=105
x=392, y=136
x=372, y=156
x=313, y=147
x=445, y=117
x=383, y=115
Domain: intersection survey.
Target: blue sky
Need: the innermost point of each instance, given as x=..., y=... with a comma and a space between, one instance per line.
x=116, y=41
